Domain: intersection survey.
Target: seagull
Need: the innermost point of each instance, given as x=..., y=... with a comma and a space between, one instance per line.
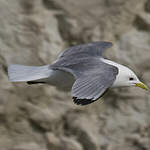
x=81, y=69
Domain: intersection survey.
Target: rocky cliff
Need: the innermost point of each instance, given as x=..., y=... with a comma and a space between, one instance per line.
x=43, y=118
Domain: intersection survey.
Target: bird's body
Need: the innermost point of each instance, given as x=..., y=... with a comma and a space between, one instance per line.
x=64, y=80
x=81, y=69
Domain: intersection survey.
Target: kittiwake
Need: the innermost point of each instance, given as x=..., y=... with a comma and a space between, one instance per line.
x=81, y=69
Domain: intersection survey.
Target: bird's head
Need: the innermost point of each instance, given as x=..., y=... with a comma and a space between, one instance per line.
x=126, y=77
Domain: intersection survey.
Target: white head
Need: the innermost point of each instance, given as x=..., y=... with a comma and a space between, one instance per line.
x=126, y=77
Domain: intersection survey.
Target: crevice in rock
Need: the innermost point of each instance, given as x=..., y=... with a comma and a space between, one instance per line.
x=3, y=65
x=36, y=127
x=2, y=118
x=65, y=31
x=51, y=4
x=141, y=24
x=64, y=26
x=27, y=6
x=5, y=69
x=147, y=6
x=81, y=135
x=138, y=145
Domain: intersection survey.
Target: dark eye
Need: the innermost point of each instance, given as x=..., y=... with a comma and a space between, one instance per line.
x=131, y=78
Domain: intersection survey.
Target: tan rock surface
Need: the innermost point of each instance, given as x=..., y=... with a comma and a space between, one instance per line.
x=43, y=118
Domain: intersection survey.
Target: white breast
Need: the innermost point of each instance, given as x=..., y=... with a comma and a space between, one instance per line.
x=61, y=79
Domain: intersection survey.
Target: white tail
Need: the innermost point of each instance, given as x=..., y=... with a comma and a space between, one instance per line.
x=20, y=73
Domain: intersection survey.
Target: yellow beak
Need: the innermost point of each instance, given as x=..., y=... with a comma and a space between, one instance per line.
x=142, y=85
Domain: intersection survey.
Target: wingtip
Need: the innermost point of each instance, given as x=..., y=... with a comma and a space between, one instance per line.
x=82, y=102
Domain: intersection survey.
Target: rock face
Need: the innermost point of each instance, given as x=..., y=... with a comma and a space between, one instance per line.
x=43, y=118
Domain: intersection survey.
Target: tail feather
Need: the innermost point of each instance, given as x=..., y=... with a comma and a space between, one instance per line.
x=20, y=73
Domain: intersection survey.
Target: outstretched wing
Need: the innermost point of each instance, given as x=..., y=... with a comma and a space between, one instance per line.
x=90, y=49
x=91, y=86
x=92, y=75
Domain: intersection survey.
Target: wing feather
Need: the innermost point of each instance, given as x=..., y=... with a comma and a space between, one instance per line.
x=92, y=49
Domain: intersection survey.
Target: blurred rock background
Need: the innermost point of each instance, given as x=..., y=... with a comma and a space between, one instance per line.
x=39, y=117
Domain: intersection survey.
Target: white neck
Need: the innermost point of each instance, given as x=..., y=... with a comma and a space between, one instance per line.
x=112, y=63
x=121, y=77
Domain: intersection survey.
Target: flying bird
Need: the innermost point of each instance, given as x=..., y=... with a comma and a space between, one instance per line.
x=81, y=69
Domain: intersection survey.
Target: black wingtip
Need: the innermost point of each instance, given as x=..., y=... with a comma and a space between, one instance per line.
x=34, y=82
x=82, y=101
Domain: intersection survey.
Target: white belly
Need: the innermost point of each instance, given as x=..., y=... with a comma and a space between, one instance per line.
x=61, y=79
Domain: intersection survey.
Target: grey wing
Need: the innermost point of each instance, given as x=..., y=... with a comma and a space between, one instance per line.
x=93, y=78
x=89, y=88
x=81, y=57
x=83, y=50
